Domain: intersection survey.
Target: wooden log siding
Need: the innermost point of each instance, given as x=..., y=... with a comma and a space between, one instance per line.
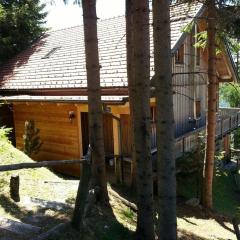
x=183, y=99
x=126, y=134
x=59, y=134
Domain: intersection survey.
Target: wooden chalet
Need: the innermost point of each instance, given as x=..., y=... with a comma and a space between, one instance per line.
x=47, y=83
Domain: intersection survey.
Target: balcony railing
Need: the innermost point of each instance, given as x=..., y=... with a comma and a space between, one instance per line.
x=227, y=120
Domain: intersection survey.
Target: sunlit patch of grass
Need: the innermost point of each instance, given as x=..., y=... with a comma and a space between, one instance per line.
x=129, y=215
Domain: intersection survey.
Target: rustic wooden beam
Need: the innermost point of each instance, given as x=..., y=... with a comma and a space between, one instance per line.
x=55, y=232
x=12, y=167
x=126, y=202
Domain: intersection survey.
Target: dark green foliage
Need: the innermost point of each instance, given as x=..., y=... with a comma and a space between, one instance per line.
x=229, y=17
x=21, y=22
x=32, y=142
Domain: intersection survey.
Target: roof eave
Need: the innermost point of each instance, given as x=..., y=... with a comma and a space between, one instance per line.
x=183, y=36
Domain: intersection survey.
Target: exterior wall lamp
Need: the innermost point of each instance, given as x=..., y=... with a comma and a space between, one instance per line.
x=71, y=115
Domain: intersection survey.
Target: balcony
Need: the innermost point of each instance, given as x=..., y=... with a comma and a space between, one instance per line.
x=227, y=120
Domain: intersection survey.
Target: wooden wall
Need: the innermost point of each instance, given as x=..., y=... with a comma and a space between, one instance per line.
x=126, y=134
x=189, y=88
x=59, y=135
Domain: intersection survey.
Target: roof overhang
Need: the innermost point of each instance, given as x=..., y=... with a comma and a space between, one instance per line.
x=62, y=99
x=182, y=38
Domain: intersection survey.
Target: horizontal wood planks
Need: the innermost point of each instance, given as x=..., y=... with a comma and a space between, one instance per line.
x=59, y=134
x=126, y=134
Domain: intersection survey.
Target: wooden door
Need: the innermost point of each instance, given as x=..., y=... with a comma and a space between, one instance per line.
x=107, y=133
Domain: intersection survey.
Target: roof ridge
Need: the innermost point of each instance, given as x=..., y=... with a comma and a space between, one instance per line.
x=79, y=25
x=64, y=28
x=118, y=16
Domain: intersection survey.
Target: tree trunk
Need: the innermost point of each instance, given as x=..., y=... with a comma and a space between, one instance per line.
x=129, y=43
x=94, y=96
x=141, y=118
x=211, y=114
x=164, y=121
x=82, y=195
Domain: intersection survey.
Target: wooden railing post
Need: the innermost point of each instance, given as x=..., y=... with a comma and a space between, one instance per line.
x=183, y=146
x=14, y=188
x=118, y=169
x=230, y=123
x=221, y=128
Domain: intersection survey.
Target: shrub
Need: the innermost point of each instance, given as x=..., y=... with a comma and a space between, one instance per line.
x=4, y=133
x=31, y=138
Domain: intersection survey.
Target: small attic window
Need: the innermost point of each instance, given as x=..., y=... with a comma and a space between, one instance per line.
x=179, y=56
x=51, y=52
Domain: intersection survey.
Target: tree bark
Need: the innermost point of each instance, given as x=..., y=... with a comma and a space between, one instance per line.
x=94, y=96
x=129, y=43
x=211, y=113
x=164, y=121
x=82, y=195
x=141, y=118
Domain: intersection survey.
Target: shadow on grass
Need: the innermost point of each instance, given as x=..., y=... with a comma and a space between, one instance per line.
x=101, y=223
x=12, y=208
x=226, y=200
x=184, y=235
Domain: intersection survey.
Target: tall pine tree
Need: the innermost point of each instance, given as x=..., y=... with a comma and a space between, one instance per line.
x=21, y=22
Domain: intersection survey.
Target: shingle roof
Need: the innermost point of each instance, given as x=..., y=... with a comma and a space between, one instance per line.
x=64, y=67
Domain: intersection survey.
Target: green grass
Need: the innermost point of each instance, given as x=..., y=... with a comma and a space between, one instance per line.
x=105, y=225
x=226, y=199
x=11, y=155
x=31, y=181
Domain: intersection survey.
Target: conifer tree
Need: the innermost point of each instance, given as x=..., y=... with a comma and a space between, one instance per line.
x=21, y=22
x=31, y=138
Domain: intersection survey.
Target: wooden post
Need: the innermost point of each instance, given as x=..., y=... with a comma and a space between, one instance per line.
x=14, y=188
x=183, y=146
x=116, y=139
x=226, y=146
x=118, y=169
x=221, y=127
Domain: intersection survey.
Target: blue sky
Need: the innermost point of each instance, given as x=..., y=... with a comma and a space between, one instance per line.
x=62, y=16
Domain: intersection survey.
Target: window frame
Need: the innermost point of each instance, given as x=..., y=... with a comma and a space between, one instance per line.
x=179, y=55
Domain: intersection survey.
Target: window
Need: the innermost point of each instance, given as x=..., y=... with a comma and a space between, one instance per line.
x=179, y=56
x=197, y=109
x=51, y=52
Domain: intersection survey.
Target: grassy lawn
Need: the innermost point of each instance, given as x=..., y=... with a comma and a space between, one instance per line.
x=44, y=184
x=226, y=198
